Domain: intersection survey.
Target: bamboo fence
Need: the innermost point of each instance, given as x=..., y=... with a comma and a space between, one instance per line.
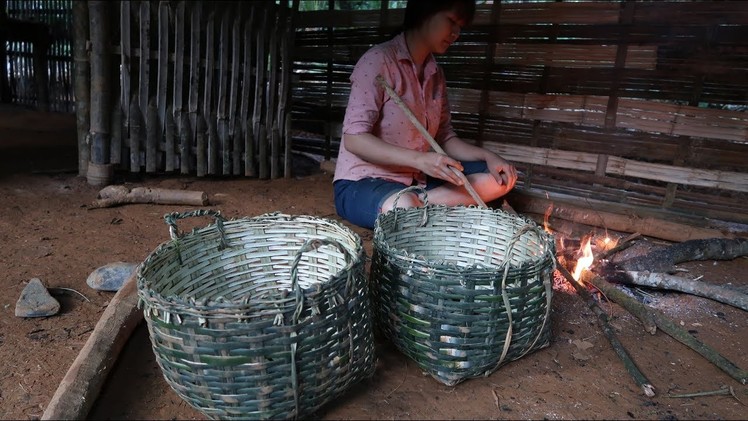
x=35, y=53
x=204, y=88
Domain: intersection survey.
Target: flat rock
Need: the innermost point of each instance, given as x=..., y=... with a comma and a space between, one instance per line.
x=36, y=301
x=111, y=277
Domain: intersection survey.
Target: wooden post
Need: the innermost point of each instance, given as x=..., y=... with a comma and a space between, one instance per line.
x=99, y=170
x=81, y=82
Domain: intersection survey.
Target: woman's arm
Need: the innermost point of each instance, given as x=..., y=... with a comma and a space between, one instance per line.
x=501, y=169
x=373, y=149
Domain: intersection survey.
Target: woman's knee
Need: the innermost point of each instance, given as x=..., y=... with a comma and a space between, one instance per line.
x=487, y=187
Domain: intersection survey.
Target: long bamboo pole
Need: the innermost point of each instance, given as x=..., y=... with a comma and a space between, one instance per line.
x=395, y=97
x=81, y=82
x=98, y=169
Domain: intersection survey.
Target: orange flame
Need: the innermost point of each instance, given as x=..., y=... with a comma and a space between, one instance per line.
x=585, y=261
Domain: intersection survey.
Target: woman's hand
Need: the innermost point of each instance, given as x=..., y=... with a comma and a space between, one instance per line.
x=438, y=165
x=504, y=172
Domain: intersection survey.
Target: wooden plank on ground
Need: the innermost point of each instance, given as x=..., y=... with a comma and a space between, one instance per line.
x=79, y=389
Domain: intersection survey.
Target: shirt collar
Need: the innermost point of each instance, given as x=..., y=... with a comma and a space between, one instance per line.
x=402, y=53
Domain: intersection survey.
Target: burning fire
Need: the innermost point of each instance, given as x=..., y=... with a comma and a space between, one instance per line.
x=585, y=261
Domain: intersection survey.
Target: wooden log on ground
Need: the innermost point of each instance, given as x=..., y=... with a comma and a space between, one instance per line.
x=664, y=259
x=82, y=383
x=111, y=196
x=648, y=226
x=689, y=286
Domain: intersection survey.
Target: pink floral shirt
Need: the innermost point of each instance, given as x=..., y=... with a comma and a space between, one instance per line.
x=371, y=110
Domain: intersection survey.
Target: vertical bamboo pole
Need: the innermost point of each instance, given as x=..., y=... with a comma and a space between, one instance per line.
x=115, y=155
x=249, y=167
x=234, y=94
x=144, y=74
x=125, y=60
x=169, y=131
x=153, y=133
x=99, y=170
x=223, y=70
x=208, y=114
x=81, y=82
x=162, y=79
x=195, y=73
x=200, y=136
x=135, y=125
x=284, y=114
x=185, y=142
x=328, y=105
x=178, y=84
x=5, y=76
x=259, y=130
x=272, y=89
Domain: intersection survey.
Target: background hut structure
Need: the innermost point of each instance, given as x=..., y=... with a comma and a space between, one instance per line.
x=617, y=113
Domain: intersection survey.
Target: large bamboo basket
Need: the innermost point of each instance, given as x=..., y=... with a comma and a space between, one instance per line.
x=461, y=290
x=263, y=317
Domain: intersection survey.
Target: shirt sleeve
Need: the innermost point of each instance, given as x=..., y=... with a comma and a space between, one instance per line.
x=366, y=96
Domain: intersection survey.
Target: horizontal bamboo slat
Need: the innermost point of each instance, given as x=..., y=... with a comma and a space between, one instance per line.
x=725, y=180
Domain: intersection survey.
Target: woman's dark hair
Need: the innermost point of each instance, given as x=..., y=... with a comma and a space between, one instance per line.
x=418, y=11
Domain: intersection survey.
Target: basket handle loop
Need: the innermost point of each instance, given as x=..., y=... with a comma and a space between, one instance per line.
x=172, y=218
x=425, y=202
x=507, y=305
x=311, y=244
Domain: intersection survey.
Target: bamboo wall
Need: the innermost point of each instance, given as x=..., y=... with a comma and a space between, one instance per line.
x=35, y=51
x=201, y=88
x=635, y=105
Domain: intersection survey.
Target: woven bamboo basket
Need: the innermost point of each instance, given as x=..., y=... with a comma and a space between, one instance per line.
x=257, y=318
x=461, y=290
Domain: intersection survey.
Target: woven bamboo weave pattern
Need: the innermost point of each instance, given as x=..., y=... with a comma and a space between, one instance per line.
x=464, y=292
x=262, y=317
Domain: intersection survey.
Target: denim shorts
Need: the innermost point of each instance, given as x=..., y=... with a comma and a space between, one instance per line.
x=360, y=202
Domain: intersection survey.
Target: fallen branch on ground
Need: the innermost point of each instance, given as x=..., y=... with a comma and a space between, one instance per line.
x=689, y=286
x=618, y=347
x=120, y=195
x=669, y=327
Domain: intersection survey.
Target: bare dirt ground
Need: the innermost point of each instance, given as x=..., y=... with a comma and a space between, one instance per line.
x=48, y=231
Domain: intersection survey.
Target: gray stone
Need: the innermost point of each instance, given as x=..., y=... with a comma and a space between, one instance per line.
x=111, y=277
x=35, y=301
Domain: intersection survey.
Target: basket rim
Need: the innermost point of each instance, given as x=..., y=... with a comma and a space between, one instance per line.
x=222, y=306
x=442, y=264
